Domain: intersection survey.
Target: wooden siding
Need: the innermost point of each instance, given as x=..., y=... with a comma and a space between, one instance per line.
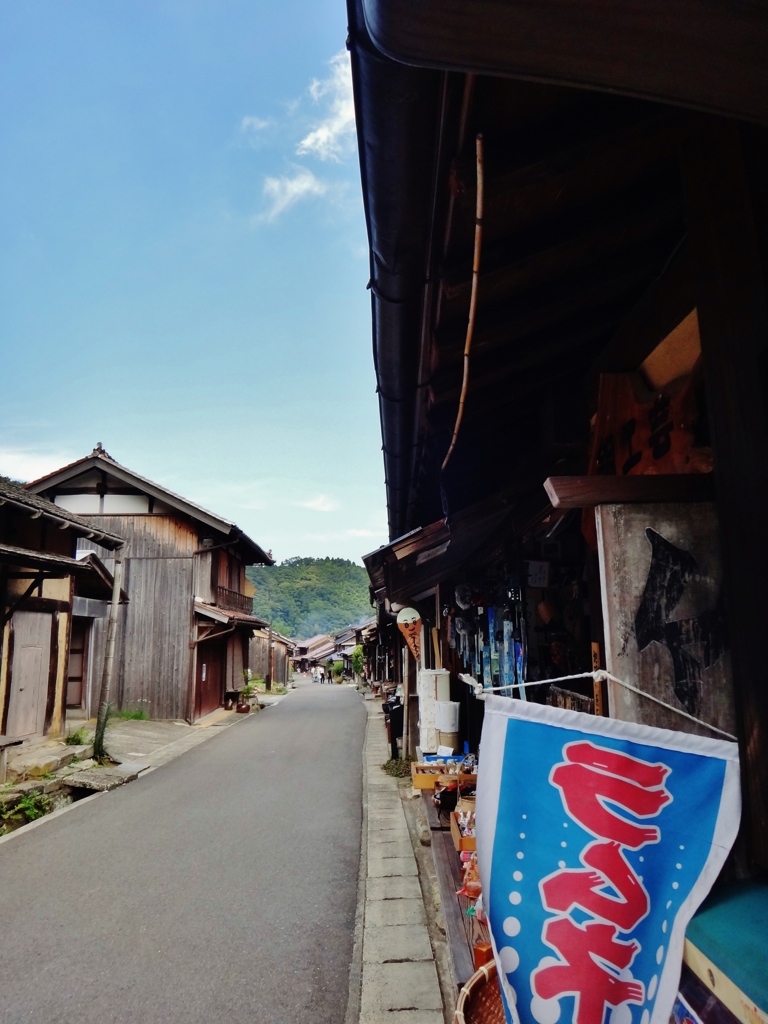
x=154, y=655
x=203, y=570
x=146, y=536
x=259, y=659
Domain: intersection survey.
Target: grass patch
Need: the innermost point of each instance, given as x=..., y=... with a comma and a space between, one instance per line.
x=137, y=715
x=398, y=767
x=78, y=738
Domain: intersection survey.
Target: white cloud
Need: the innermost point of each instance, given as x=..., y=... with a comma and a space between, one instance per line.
x=333, y=137
x=253, y=124
x=26, y=465
x=285, y=191
x=320, y=503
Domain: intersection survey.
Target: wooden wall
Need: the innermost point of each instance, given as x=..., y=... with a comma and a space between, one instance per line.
x=154, y=655
x=259, y=659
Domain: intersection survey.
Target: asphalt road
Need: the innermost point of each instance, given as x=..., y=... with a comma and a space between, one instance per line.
x=220, y=887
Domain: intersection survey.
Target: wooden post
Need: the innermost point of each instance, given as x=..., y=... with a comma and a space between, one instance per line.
x=109, y=660
x=412, y=706
x=270, y=661
x=733, y=322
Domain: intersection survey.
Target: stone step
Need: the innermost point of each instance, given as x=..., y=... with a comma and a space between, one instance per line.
x=102, y=778
x=36, y=762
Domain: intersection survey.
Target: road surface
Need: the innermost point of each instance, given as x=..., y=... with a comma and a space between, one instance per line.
x=220, y=887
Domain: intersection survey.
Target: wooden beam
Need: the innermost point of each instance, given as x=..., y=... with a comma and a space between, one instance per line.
x=667, y=302
x=529, y=365
x=598, y=129
x=563, y=181
x=557, y=303
x=538, y=255
x=587, y=491
x=449, y=881
x=733, y=323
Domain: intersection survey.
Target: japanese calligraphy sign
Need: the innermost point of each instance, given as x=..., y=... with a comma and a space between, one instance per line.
x=597, y=840
x=640, y=431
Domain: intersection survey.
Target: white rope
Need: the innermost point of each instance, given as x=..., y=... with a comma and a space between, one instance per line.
x=598, y=676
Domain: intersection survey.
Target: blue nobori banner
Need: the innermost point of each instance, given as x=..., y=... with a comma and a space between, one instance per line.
x=597, y=840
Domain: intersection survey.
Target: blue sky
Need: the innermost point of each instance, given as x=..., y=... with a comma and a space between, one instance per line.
x=183, y=259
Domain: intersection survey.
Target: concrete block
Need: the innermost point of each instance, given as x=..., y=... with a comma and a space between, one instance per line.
x=386, y=813
x=382, y=801
x=385, y=913
x=403, y=1017
x=388, y=848
x=395, y=888
x=408, y=986
x=387, y=823
x=396, y=943
x=100, y=779
x=392, y=866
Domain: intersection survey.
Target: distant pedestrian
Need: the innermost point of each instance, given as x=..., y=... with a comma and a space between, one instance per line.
x=321, y=670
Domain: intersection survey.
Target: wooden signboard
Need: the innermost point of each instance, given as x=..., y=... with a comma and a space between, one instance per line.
x=665, y=628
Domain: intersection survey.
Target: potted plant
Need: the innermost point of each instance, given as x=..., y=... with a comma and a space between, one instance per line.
x=244, y=701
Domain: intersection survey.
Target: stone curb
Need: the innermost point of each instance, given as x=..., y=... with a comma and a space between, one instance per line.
x=395, y=972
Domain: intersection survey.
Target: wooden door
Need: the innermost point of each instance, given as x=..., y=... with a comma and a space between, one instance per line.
x=77, y=666
x=209, y=691
x=30, y=672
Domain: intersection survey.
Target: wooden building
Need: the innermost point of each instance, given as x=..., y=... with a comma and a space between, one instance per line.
x=567, y=207
x=277, y=666
x=44, y=591
x=311, y=653
x=183, y=641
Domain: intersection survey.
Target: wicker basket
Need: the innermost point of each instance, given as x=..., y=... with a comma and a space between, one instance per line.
x=480, y=1000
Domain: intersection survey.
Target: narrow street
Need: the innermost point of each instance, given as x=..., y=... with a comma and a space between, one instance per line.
x=221, y=887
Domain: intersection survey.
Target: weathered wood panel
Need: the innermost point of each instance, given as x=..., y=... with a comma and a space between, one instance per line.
x=259, y=659
x=146, y=536
x=661, y=574
x=154, y=657
x=156, y=664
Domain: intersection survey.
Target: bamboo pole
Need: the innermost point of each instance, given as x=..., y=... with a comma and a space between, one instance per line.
x=473, y=298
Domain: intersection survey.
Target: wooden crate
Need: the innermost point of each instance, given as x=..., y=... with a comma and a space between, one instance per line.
x=459, y=841
x=424, y=776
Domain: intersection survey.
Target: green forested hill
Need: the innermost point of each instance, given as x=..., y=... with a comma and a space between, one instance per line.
x=305, y=596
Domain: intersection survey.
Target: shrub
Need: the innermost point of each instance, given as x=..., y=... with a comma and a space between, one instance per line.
x=357, y=660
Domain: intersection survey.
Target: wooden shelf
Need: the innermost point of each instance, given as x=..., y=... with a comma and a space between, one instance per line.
x=587, y=491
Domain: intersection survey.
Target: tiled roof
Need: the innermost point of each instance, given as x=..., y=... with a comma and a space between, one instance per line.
x=17, y=495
